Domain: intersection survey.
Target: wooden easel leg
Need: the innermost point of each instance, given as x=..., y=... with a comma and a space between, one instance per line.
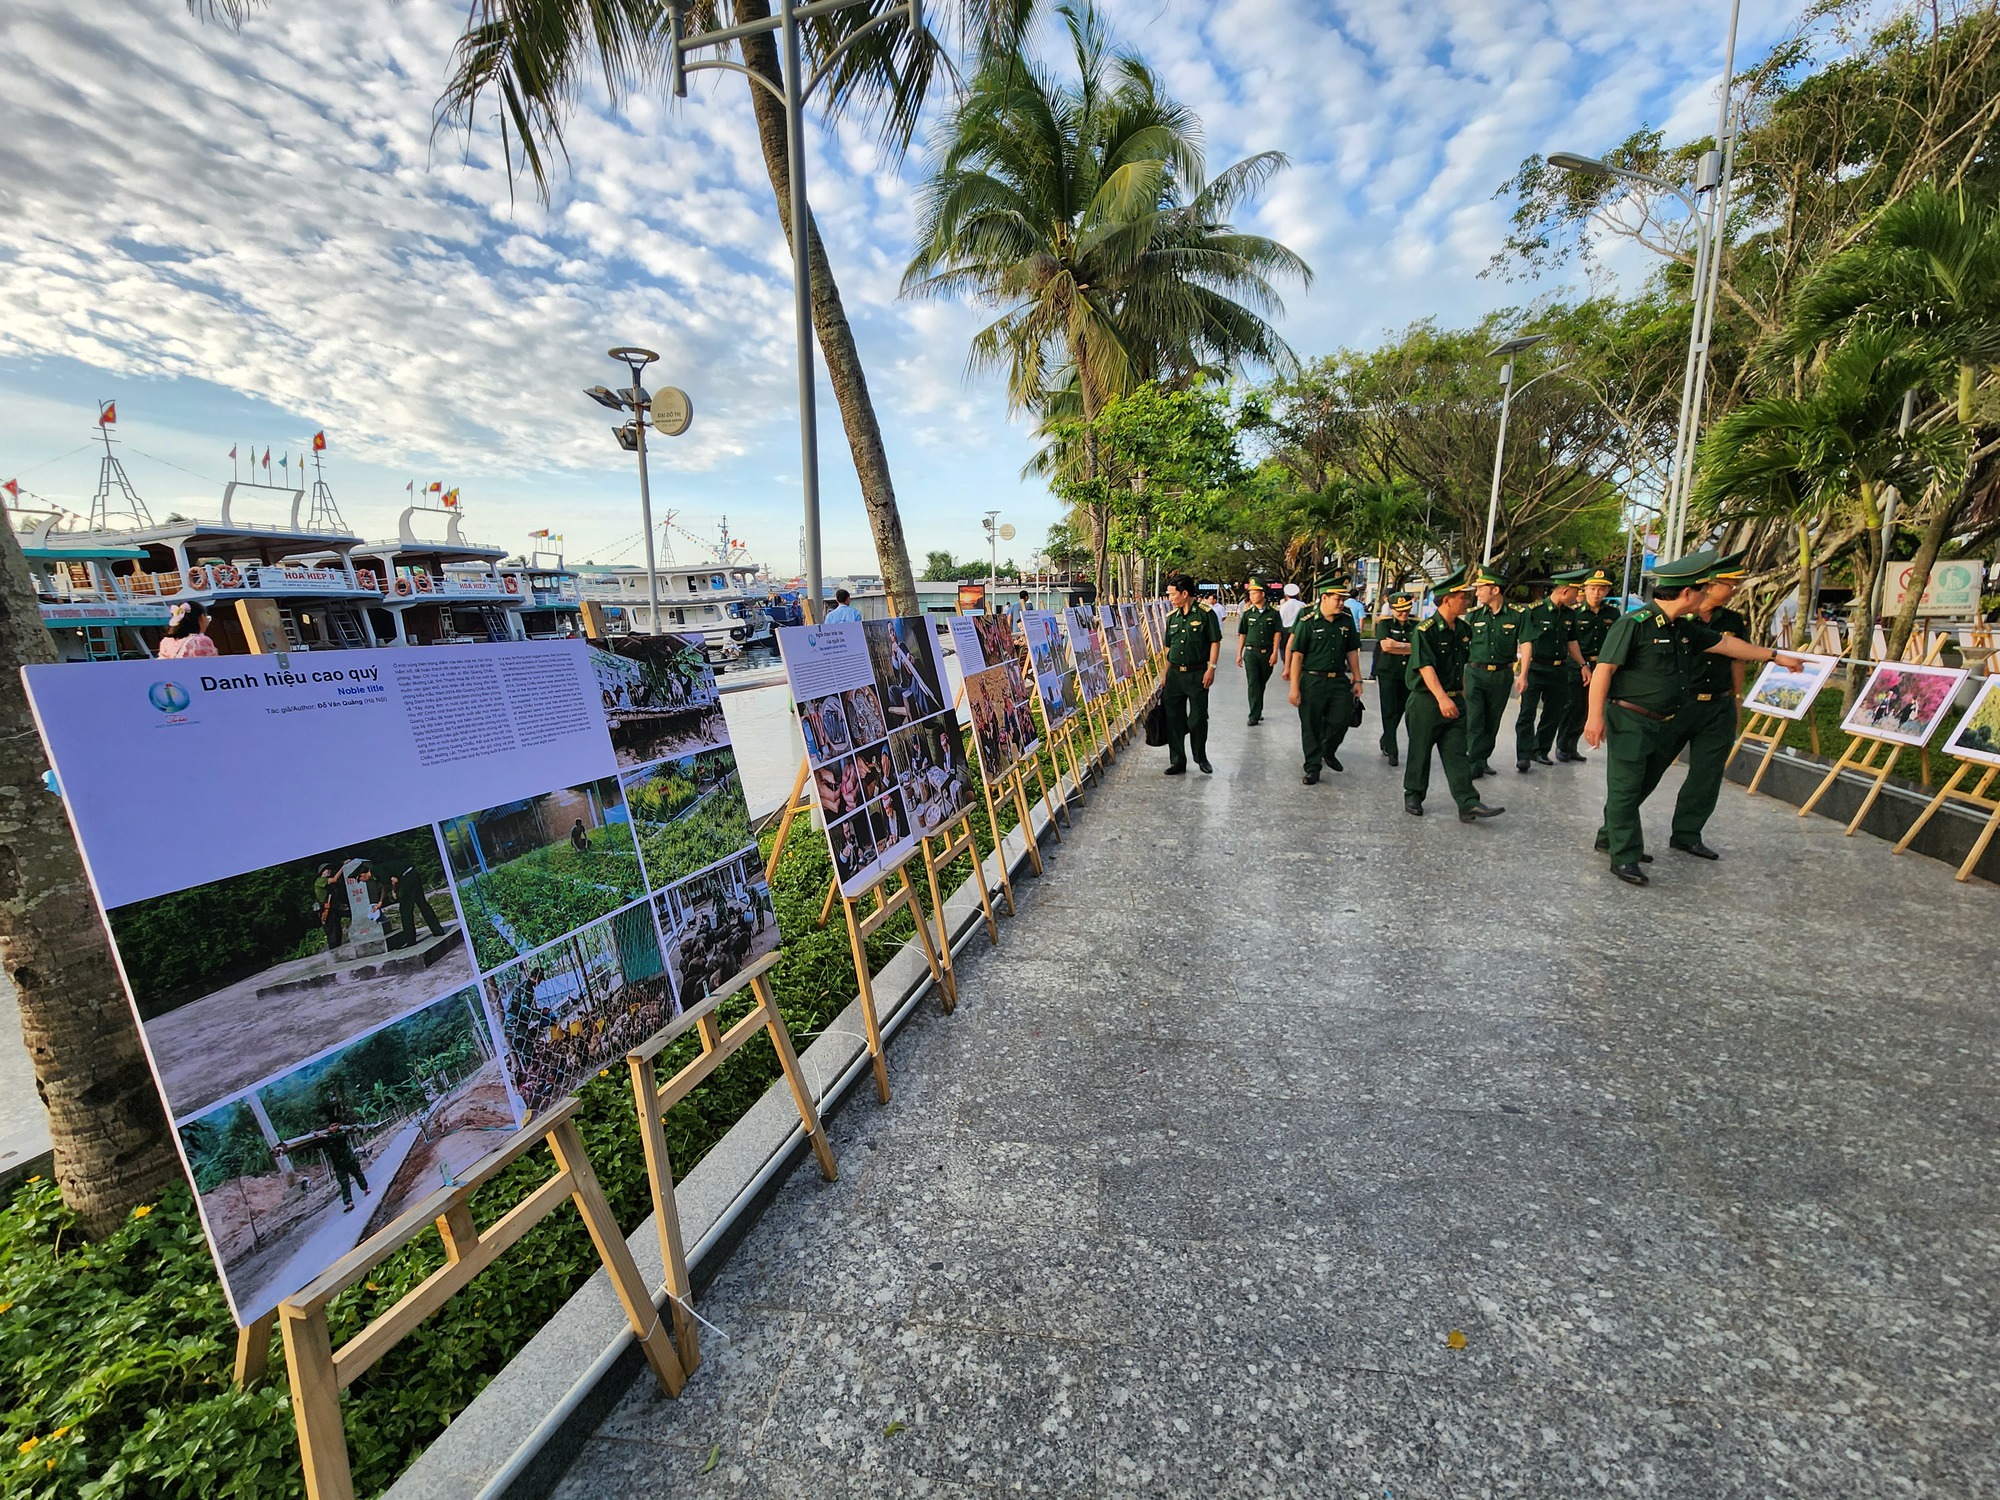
x=1881, y=776
x=316, y=1402
x=653, y=1336
x=1055, y=809
x=938, y=954
x=1934, y=804
x=1017, y=783
x=826, y=906
x=781, y=1040
x=785, y=822
x=1831, y=776
x=865, y=987
x=666, y=1211
x=253, y=1350
x=1763, y=765
x=993, y=823
x=1979, y=845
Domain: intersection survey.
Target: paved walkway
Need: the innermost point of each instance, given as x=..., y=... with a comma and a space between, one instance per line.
x=1271, y=1093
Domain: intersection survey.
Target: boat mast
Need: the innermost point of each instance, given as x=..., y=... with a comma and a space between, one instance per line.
x=111, y=475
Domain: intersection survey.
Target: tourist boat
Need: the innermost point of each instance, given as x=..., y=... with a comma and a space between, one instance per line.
x=448, y=591
x=721, y=598
x=552, y=607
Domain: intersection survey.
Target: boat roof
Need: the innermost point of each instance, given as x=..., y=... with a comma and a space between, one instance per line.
x=71, y=554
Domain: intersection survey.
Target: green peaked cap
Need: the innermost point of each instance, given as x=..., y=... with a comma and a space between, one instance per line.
x=1692, y=568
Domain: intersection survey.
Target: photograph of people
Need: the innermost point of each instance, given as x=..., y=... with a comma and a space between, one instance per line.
x=864, y=715
x=853, y=851
x=716, y=925
x=659, y=696
x=874, y=770
x=839, y=784
x=903, y=653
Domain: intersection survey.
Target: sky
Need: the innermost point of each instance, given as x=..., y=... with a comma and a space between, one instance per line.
x=247, y=236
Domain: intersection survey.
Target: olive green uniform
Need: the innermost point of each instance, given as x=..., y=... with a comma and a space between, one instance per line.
x=1707, y=726
x=1443, y=648
x=1657, y=662
x=1548, y=628
x=1592, y=626
x=1390, y=681
x=1260, y=628
x=1489, y=677
x=1326, y=692
x=1190, y=634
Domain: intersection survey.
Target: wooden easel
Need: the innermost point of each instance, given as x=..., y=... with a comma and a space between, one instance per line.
x=653, y=1100
x=319, y=1373
x=1767, y=730
x=1981, y=796
x=1864, y=762
x=862, y=925
x=795, y=803
x=954, y=839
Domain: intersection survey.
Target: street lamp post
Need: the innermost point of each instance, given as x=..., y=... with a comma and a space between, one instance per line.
x=794, y=96
x=1507, y=351
x=674, y=413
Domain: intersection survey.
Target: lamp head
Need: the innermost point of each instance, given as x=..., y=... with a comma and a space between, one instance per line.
x=1575, y=161
x=1516, y=344
x=605, y=397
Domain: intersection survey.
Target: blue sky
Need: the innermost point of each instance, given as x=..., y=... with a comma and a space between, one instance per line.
x=248, y=236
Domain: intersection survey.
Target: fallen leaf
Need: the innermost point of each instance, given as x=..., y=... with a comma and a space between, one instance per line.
x=892, y=1429
x=714, y=1456
x=1455, y=1339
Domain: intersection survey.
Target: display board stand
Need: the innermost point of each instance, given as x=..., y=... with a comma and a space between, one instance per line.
x=1981, y=796
x=862, y=925
x=654, y=1099
x=319, y=1373
x=954, y=839
x=795, y=803
x=1767, y=730
x=1865, y=762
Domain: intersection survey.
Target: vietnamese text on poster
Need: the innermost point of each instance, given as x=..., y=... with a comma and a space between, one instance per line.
x=377, y=909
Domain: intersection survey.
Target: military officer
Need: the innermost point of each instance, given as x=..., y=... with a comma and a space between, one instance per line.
x=1550, y=660
x=1594, y=619
x=1392, y=660
x=1645, y=674
x=1492, y=668
x=1706, y=723
x=1324, y=668
x=1435, y=676
x=1194, y=646
x=1259, y=630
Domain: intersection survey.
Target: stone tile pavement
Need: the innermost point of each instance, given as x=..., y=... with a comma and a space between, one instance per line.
x=1273, y=1096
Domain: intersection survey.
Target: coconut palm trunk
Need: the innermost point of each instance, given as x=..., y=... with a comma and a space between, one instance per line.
x=113, y=1149
x=836, y=334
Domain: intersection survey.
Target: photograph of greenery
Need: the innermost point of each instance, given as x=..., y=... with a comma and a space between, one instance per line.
x=1977, y=736
x=688, y=813
x=529, y=871
x=295, y=1173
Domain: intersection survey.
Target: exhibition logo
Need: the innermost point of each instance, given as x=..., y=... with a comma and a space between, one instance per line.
x=170, y=698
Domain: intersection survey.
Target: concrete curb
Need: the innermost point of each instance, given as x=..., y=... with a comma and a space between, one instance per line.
x=570, y=1374
x=1949, y=836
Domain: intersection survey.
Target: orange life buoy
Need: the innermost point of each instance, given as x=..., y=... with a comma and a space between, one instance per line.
x=197, y=577
x=366, y=577
x=225, y=577
x=402, y=587
x=424, y=584
x=513, y=583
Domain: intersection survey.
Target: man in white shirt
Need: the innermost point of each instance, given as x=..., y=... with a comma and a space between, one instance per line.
x=1288, y=616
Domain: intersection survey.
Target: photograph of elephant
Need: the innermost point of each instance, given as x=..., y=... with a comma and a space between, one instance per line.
x=528, y=871
x=716, y=925
x=244, y=977
x=297, y=1171
x=688, y=813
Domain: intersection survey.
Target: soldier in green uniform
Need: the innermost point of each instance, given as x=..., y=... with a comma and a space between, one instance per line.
x=1435, y=712
x=1594, y=619
x=1392, y=660
x=1324, y=668
x=1644, y=676
x=1194, y=645
x=1550, y=659
x=1491, y=670
x=1258, y=630
x=1706, y=724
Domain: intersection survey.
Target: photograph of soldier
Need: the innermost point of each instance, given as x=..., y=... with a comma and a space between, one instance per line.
x=716, y=925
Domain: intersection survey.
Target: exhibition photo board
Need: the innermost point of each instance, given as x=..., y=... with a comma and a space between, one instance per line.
x=1903, y=703
x=1086, y=644
x=883, y=748
x=1785, y=694
x=998, y=697
x=1976, y=737
x=1116, y=647
x=412, y=903
x=1055, y=672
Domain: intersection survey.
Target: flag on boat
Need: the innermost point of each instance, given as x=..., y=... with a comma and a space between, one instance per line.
x=410, y=488
x=107, y=414
x=232, y=453
x=13, y=488
x=451, y=499
x=285, y=463
x=437, y=487
x=319, y=442
x=267, y=460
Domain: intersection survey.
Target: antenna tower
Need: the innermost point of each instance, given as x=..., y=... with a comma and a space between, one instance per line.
x=115, y=497
x=324, y=515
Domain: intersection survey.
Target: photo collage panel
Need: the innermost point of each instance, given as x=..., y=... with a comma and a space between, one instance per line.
x=1115, y=645
x=999, y=698
x=1055, y=673
x=1086, y=645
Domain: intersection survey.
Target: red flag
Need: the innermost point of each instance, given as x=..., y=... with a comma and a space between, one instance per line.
x=319, y=442
x=267, y=460
x=13, y=488
x=437, y=487
x=232, y=453
x=108, y=415
x=451, y=498
x=410, y=488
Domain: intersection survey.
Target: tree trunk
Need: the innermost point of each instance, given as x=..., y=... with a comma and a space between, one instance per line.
x=1802, y=623
x=1100, y=514
x=836, y=335
x=1936, y=531
x=113, y=1148
x=1868, y=566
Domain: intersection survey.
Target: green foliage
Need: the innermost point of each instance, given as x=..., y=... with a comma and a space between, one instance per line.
x=549, y=891
x=714, y=829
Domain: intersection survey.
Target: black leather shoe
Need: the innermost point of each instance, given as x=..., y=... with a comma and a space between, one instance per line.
x=1206, y=768
x=1542, y=760
x=1333, y=763
x=1390, y=756
x=1253, y=723
x=1311, y=778
x=1521, y=765
x=1176, y=771
x=1481, y=810
x=1630, y=874
x=1698, y=849
x=1571, y=757
x=1413, y=807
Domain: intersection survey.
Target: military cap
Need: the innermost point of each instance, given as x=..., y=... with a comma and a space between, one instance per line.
x=1255, y=583
x=1569, y=577
x=1329, y=583
x=1682, y=571
x=1400, y=601
x=1598, y=579
x=1729, y=567
x=1483, y=576
x=1452, y=583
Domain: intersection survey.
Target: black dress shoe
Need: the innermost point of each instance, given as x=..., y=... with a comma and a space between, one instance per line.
x=1698, y=849
x=1311, y=778
x=1479, y=810
x=1413, y=807
x=1571, y=757
x=1521, y=765
x=1333, y=763
x=1175, y=771
x=1206, y=768
x=1390, y=756
x=1542, y=759
x=1630, y=874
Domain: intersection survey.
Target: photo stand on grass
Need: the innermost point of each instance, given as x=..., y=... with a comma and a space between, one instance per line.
x=319, y=1373
x=1982, y=796
x=653, y=1099
x=954, y=839
x=863, y=924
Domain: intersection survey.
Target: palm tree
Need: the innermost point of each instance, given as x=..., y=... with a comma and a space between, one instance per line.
x=1080, y=209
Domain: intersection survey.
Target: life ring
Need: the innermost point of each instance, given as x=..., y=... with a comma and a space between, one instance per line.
x=366, y=578
x=424, y=584
x=512, y=583
x=402, y=587
x=197, y=577
x=225, y=577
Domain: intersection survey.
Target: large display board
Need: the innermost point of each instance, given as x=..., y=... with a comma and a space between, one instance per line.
x=998, y=696
x=1977, y=735
x=1116, y=646
x=1055, y=673
x=1086, y=644
x=377, y=909
x=887, y=760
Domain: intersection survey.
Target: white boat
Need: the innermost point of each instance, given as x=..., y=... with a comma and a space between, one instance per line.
x=446, y=591
x=720, y=598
